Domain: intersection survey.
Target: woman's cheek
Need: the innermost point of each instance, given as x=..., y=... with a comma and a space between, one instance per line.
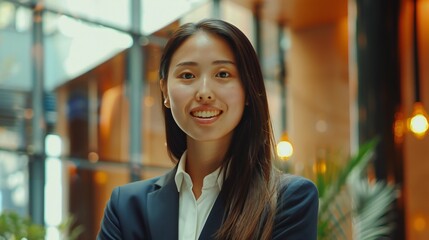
x=179, y=94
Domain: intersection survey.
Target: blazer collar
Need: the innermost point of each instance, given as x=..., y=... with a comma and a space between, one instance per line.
x=163, y=211
x=163, y=208
x=215, y=218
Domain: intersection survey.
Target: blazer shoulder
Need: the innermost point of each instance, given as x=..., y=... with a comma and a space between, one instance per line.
x=292, y=183
x=297, y=209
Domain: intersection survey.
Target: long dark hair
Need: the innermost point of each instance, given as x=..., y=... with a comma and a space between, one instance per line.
x=251, y=186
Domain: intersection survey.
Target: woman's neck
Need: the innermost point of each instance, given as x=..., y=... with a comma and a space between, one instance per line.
x=203, y=158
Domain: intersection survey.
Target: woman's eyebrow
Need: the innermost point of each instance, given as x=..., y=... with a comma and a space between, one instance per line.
x=186, y=64
x=217, y=62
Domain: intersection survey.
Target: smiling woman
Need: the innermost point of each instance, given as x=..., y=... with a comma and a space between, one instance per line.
x=219, y=133
x=205, y=93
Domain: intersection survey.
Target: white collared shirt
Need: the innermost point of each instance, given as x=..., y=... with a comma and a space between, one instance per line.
x=194, y=213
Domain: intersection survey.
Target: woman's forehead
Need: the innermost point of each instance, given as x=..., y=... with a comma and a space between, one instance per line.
x=203, y=45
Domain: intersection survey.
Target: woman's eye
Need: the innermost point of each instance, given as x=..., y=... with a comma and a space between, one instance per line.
x=186, y=75
x=223, y=74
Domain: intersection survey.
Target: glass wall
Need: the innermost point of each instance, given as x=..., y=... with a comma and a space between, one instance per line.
x=15, y=110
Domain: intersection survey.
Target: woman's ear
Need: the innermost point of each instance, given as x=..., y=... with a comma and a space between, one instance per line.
x=163, y=86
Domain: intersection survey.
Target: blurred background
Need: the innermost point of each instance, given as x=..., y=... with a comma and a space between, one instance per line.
x=80, y=106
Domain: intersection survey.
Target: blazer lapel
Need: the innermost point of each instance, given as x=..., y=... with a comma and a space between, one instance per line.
x=163, y=208
x=215, y=218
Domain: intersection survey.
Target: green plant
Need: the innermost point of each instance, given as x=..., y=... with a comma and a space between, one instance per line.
x=14, y=226
x=349, y=203
x=372, y=201
x=67, y=231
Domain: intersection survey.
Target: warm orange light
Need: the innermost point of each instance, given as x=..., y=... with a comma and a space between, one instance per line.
x=399, y=127
x=93, y=157
x=109, y=99
x=320, y=167
x=418, y=122
x=73, y=170
x=100, y=178
x=284, y=148
x=419, y=223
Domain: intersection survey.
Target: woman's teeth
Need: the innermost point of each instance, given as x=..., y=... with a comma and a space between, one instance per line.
x=206, y=114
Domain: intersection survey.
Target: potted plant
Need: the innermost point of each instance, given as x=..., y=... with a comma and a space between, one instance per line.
x=350, y=204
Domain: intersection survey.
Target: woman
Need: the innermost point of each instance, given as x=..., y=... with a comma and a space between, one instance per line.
x=218, y=129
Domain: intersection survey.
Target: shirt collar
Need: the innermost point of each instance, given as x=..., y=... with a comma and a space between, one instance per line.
x=180, y=173
x=208, y=180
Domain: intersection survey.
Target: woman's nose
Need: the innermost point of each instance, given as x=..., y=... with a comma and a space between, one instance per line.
x=204, y=93
x=204, y=97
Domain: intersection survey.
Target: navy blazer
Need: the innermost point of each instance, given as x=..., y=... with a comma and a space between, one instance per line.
x=149, y=209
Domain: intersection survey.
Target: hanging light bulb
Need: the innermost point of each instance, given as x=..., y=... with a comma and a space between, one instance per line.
x=418, y=122
x=284, y=147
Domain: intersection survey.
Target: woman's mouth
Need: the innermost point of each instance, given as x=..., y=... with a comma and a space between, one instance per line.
x=206, y=113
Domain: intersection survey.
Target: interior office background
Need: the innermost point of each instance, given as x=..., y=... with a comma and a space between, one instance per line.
x=80, y=107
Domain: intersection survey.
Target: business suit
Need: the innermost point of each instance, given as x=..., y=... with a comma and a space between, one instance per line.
x=149, y=210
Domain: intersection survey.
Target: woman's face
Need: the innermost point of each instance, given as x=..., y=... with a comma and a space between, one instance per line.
x=203, y=89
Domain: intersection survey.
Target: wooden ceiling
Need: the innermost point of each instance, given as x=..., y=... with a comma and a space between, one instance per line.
x=299, y=13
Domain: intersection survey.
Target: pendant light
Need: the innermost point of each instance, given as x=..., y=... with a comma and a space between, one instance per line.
x=418, y=122
x=284, y=147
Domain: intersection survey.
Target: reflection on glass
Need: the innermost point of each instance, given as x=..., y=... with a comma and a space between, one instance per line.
x=15, y=47
x=77, y=47
x=6, y=14
x=13, y=182
x=52, y=233
x=53, y=145
x=23, y=19
x=110, y=12
x=171, y=11
x=117, y=13
x=53, y=182
x=53, y=192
